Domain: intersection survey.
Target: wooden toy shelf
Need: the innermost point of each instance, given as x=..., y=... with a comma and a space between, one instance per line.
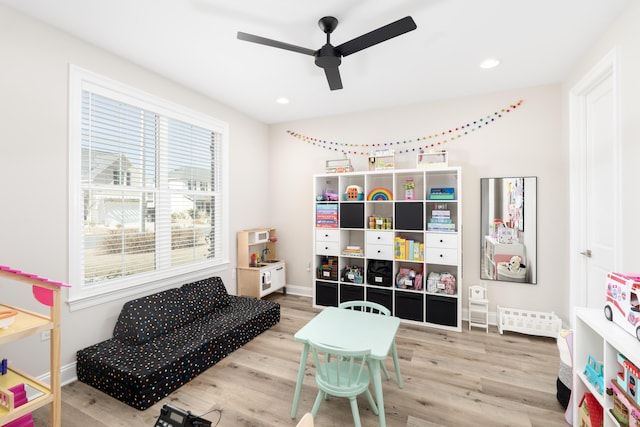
x=27, y=323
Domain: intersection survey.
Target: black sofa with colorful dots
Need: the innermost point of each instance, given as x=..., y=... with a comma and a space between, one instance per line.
x=162, y=341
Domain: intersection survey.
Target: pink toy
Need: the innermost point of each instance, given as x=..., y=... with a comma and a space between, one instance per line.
x=622, y=305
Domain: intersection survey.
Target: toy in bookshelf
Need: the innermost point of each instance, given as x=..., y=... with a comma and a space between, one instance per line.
x=380, y=193
x=593, y=372
x=409, y=278
x=409, y=187
x=591, y=413
x=354, y=192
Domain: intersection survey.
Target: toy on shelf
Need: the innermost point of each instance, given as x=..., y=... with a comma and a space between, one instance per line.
x=338, y=166
x=432, y=159
x=381, y=159
x=409, y=187
x=354, y=192
x=352, y=274
x=379, y=193
x=593, y=372
x=380, y=223
x=622, y=305
x=591, y=413
x=623, y=388
x=408, y=278
x=7, y=317
x=441, y=283
x=329, y=195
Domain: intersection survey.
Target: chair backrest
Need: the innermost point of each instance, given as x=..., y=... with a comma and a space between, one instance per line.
x=340, y=371
x=477, y=292
x=306, y=420
x=368, y=306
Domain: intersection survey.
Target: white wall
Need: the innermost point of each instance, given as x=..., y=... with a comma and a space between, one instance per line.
x=524, y=142
x=33, y=169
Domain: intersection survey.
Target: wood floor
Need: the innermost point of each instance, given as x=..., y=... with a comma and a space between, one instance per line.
x=450, y=379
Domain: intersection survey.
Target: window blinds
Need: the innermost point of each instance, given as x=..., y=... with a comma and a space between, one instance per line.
x=151, y=189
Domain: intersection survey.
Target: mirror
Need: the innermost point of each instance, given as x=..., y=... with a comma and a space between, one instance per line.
x=508, y=229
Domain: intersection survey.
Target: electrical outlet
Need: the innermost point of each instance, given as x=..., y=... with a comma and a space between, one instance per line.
x=45, y=335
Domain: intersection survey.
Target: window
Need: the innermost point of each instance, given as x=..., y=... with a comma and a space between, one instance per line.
x=148, y=199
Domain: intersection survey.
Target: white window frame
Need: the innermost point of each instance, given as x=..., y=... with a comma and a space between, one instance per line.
x=80, y=295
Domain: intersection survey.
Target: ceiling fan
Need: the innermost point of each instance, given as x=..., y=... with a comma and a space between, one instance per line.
x=329, y=57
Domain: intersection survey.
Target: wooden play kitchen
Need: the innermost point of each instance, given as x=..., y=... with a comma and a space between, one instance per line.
x=260, y=272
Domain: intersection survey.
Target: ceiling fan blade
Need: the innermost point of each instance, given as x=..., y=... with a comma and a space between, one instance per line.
x=380, y=35
x=274, y=43
x=333, y=77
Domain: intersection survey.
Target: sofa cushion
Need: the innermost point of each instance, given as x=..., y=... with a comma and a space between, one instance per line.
x=143, y=319
x=205, y=296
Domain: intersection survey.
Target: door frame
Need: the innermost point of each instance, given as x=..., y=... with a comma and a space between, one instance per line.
x=606, y=67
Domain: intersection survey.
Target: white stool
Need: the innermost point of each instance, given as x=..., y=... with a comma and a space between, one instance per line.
x=478, y=307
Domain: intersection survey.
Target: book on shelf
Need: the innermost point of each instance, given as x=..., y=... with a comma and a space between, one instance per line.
x=353, y=251
x=408, y=249
x=327, y=215
x=440, y=220
x=441, y=213
x=441, y=227
x=442, y=193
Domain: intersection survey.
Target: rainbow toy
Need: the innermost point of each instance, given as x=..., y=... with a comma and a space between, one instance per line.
x=380, y=194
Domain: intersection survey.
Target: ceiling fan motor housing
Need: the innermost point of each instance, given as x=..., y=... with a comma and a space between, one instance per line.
x=328, y=57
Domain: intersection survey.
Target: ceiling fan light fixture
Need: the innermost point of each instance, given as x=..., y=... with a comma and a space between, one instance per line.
x=489, y=63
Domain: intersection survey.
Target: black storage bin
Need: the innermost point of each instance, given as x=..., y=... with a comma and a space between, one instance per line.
x=351, y=293
x=381, y=296
x=327, y=294
x=442, y=310
x=409, y=216
x=379, y=272
x=352, y=215
x=409, y=305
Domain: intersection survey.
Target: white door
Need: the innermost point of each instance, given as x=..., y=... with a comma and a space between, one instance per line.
x=594, y=190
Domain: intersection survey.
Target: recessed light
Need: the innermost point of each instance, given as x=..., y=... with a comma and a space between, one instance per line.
x=489, y=63
x=282, y=100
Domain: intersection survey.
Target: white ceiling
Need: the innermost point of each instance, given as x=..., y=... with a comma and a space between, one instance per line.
x=194, y=42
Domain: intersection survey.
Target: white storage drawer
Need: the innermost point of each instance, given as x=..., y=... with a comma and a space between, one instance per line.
x=380, y=252
x=326, y=235
x=442, y=240
x=441, y=256
x=379, y=238
x=328, y=248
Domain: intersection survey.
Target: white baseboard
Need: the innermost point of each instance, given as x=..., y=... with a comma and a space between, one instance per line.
x=303, y=291
x=67, y=375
